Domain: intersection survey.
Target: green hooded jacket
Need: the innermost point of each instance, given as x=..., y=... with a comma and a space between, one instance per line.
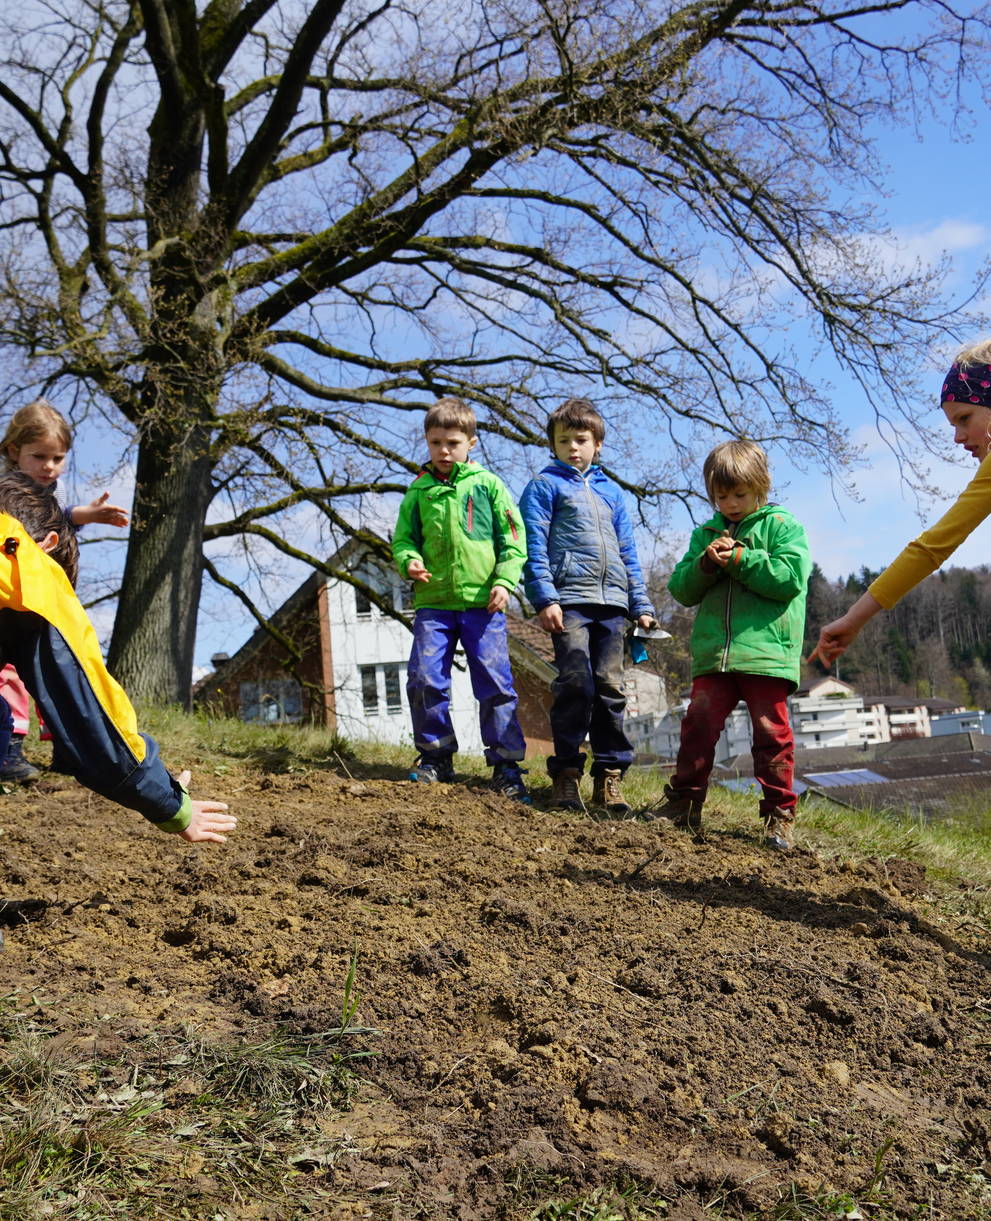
x=751, y=616
x=467, y=532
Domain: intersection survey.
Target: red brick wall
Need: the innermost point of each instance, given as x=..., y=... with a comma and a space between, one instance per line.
x=534, y=707
x=267, y=662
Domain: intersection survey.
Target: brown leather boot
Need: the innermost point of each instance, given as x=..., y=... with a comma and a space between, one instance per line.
x=684, y=812
x=779, y=830
x=565, y=794
x=606, y=791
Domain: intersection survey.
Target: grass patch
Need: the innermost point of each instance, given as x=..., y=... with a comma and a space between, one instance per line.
x=623, y=1201
x=177, y=1126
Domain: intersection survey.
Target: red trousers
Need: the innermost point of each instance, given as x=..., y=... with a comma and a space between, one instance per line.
x=714, y=696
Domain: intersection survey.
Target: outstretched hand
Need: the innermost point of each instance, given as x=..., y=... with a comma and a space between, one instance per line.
x=98, y=511
x=834, y=640
x=836, y=637
x=209, y=820
x=416, y=570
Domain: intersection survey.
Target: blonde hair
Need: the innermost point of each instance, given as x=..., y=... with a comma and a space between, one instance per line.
x=978, y=353
x=31, y=423
x=735, y=464
x=450, y=412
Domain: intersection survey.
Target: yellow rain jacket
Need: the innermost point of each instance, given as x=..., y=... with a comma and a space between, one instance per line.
x=46, y=635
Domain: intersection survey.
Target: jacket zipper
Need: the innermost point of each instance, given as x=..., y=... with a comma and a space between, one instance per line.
x=598, y=525
x=729, y=607
x=512, y=524
x=471, y=506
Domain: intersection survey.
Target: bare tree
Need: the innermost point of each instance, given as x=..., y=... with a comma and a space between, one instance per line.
x=262, y=235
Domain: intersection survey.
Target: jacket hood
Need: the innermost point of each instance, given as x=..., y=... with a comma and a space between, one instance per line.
x=717, y=522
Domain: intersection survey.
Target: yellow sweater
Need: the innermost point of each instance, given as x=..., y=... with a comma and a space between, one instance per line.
x=932, y=547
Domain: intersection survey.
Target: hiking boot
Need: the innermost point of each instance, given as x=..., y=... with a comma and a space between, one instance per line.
x=507, y=778
x=606, y=791
x=433, y=769
x=15, y=766
x=683, y=812
x=779, y=831
x=565, y=794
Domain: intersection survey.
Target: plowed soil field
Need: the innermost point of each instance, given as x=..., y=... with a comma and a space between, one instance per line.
x=558, y=1001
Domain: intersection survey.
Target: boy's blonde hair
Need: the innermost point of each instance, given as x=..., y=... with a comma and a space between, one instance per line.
x=451, y=412
x=576, y=414
x=734, y=464
x=972, y=354
x=31, y=423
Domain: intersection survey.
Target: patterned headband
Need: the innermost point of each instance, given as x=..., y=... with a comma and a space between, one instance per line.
x=972, y=387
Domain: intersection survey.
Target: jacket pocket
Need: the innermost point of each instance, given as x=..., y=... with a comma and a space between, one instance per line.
x=562, y=567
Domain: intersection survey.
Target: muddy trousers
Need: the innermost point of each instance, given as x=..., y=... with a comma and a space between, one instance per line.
x=483, y=636
x=714, y=696
x=588, y=691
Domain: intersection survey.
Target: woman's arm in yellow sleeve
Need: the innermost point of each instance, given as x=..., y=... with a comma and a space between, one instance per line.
x=935, y=545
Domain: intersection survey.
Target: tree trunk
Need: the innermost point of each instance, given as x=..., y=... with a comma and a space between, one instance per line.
x=151, y=651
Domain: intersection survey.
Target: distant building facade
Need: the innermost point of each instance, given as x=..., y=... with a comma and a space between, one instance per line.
x=825, y=713
x=960, y=722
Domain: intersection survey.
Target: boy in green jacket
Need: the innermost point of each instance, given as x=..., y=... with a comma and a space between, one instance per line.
x=460, y=539
x=747, y=569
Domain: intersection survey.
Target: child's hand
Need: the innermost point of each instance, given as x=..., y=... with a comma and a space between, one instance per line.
x=551, y=618
x=498, y=599
x=99, y=511
x=648, y=623
x=208, y=821
x=718, y=552
x=416, y=571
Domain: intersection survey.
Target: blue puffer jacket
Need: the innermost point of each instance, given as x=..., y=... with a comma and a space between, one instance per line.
x=580, y=542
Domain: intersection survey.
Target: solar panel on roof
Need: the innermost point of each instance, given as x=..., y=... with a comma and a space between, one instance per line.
x=858, y=775
x=744, y=784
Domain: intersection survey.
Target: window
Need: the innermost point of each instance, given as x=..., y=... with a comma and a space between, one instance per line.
x=376, y=579
x=274, y=700
x=369, y=690
x=393, y=693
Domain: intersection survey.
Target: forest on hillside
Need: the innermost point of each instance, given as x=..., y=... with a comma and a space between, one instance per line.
x=935, y=642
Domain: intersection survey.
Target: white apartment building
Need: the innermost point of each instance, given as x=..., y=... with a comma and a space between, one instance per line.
x=660, y=734
x=827, y=712
x=824, y=712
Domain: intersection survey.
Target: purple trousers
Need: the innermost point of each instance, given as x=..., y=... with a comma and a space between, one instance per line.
x=483, y=636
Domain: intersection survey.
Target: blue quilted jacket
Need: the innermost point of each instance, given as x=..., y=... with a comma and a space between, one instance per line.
x=580, y=545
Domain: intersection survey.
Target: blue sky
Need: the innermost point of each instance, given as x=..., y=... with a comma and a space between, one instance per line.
x=929, y=219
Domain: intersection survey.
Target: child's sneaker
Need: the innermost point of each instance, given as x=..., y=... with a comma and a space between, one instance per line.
x=606, y=791
x=779, y=830
x=433, y=769
x=565, y=794
x=15, y=766
x=684, y=812
x=507, y=778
